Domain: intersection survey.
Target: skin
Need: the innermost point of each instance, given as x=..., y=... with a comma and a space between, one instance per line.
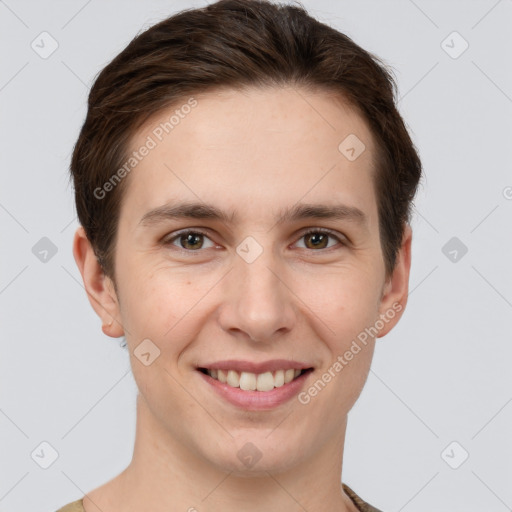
x=250, y=153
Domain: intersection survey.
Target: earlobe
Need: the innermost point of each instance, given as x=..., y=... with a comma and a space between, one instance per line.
x=396, y=289
x=106, y=327
x=99, y=287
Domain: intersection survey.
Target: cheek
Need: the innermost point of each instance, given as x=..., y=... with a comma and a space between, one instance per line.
x=345, y=301
x=162, y=308
x=346, y=305
x=168, y=308
x=155, y=298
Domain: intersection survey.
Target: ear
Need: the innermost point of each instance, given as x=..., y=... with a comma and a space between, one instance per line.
x=396, y=288
x=100, y=288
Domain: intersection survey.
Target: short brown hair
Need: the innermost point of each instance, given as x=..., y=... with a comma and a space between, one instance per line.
x=236, y=43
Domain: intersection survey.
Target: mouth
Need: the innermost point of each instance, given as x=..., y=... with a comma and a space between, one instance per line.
x=248, y=381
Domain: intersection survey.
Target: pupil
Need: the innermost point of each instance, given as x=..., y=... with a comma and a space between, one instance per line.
x=318, y=238
x=192, y=239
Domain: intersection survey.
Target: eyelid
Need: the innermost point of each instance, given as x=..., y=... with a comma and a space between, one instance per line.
x=169, y=240
x=342, y=239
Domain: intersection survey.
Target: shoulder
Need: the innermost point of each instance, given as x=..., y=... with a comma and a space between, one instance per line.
x=75, y=506
x=361, y=505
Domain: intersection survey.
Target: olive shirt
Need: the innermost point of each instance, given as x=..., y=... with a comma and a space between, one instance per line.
x=361, y=505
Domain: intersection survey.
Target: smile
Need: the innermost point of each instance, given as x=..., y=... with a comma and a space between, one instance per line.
x=248, y=381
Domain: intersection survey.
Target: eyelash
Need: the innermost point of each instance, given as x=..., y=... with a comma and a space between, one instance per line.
x=178, y=235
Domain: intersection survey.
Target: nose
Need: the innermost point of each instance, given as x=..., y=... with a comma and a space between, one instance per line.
x=257, y=302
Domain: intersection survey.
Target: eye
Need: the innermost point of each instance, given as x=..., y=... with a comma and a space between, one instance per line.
x=190, y=240
x=194, y=240
x=318, y=238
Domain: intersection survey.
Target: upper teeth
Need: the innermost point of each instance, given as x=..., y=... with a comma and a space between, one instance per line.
x=252, y=381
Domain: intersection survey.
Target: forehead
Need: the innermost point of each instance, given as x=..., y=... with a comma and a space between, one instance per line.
x=258, y=150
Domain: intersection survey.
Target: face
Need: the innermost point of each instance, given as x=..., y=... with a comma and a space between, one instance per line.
x=278, y=264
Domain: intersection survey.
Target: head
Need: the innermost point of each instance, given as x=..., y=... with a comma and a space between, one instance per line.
x=252, y=112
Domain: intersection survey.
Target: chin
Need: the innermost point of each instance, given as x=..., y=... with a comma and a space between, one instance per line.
x=257, y=457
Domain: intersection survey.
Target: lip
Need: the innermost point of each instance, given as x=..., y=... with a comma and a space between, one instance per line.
x=252, y=367
x=256, y=400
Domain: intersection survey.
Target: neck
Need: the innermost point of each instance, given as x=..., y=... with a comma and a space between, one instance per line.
x=166, y=475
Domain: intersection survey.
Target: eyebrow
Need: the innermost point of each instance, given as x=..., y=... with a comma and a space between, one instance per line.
x=203, y=211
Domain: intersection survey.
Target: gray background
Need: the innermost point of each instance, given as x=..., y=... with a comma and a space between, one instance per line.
x=441, y=376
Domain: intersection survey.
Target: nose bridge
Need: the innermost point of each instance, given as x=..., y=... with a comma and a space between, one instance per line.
x=259, y=282
x=260, y=304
